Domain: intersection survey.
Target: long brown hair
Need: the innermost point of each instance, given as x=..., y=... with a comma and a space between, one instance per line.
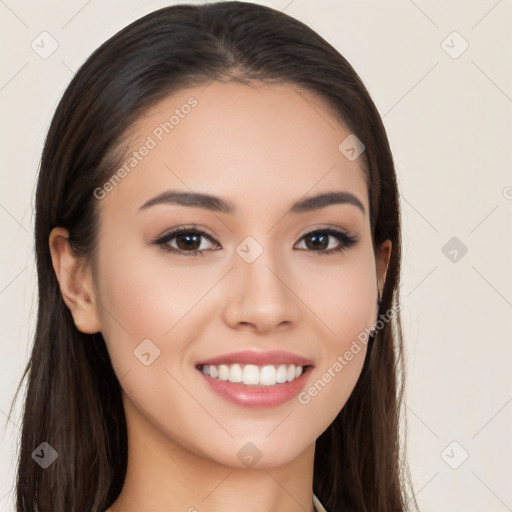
x=73, y=399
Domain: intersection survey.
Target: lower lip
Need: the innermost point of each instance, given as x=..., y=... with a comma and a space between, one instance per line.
x=258, y=396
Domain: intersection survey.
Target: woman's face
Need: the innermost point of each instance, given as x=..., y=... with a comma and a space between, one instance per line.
x=255, y=279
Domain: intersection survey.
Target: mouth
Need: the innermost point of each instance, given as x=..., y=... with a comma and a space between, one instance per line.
x=251, y=378
x=254, y=375
x=255, y=386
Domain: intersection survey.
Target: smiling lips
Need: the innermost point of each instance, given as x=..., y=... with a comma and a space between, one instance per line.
x=252, y=378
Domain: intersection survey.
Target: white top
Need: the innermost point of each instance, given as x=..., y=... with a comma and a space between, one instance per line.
x=319, y=507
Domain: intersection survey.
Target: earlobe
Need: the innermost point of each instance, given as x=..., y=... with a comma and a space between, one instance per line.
x=75, y=282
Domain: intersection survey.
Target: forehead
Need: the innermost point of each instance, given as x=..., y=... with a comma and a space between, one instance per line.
x=276, y=143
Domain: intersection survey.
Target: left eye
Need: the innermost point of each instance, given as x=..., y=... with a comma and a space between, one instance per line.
x=320, y=237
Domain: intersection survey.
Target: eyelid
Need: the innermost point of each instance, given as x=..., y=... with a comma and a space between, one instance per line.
x=184, y=227
x=328, y=228
x=187, y=227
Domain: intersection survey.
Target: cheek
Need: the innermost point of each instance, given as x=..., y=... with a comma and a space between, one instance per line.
x=149, y=319
x=141, y=300
x=342, y=296
x=344, y=299
x=145, y=296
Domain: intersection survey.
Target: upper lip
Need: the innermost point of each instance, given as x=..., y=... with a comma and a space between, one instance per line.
x=273, y=357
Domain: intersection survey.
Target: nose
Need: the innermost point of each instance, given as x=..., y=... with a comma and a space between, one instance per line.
x=261, y=296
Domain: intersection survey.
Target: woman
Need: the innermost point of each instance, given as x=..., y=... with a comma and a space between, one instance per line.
x=261, y=373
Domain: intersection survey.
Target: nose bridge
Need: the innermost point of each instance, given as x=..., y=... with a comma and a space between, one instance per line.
x=261, y=295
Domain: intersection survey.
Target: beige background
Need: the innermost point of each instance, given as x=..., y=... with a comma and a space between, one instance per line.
x=450, y=124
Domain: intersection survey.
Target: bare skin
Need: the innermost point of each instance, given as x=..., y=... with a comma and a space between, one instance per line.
x=262, y=148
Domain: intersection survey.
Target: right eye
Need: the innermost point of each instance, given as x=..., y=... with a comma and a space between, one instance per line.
x=185, y=241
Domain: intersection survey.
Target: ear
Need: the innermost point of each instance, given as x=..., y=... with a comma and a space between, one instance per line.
x=75, y=282
x=382, y=257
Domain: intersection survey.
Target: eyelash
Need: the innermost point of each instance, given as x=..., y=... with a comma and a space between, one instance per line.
x=347, y=241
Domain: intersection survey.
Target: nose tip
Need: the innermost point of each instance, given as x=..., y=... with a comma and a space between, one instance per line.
x=261, y=299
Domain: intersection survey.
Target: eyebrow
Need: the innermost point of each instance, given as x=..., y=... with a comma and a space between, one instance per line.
x=217, y=204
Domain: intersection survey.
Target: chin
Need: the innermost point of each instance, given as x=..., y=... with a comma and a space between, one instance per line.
x=257, y=453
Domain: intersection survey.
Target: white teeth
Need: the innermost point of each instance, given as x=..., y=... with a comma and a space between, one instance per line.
x=235, y=373
x=281, y=374
x=223, y=371
x=268, y=375
x=252, y=375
